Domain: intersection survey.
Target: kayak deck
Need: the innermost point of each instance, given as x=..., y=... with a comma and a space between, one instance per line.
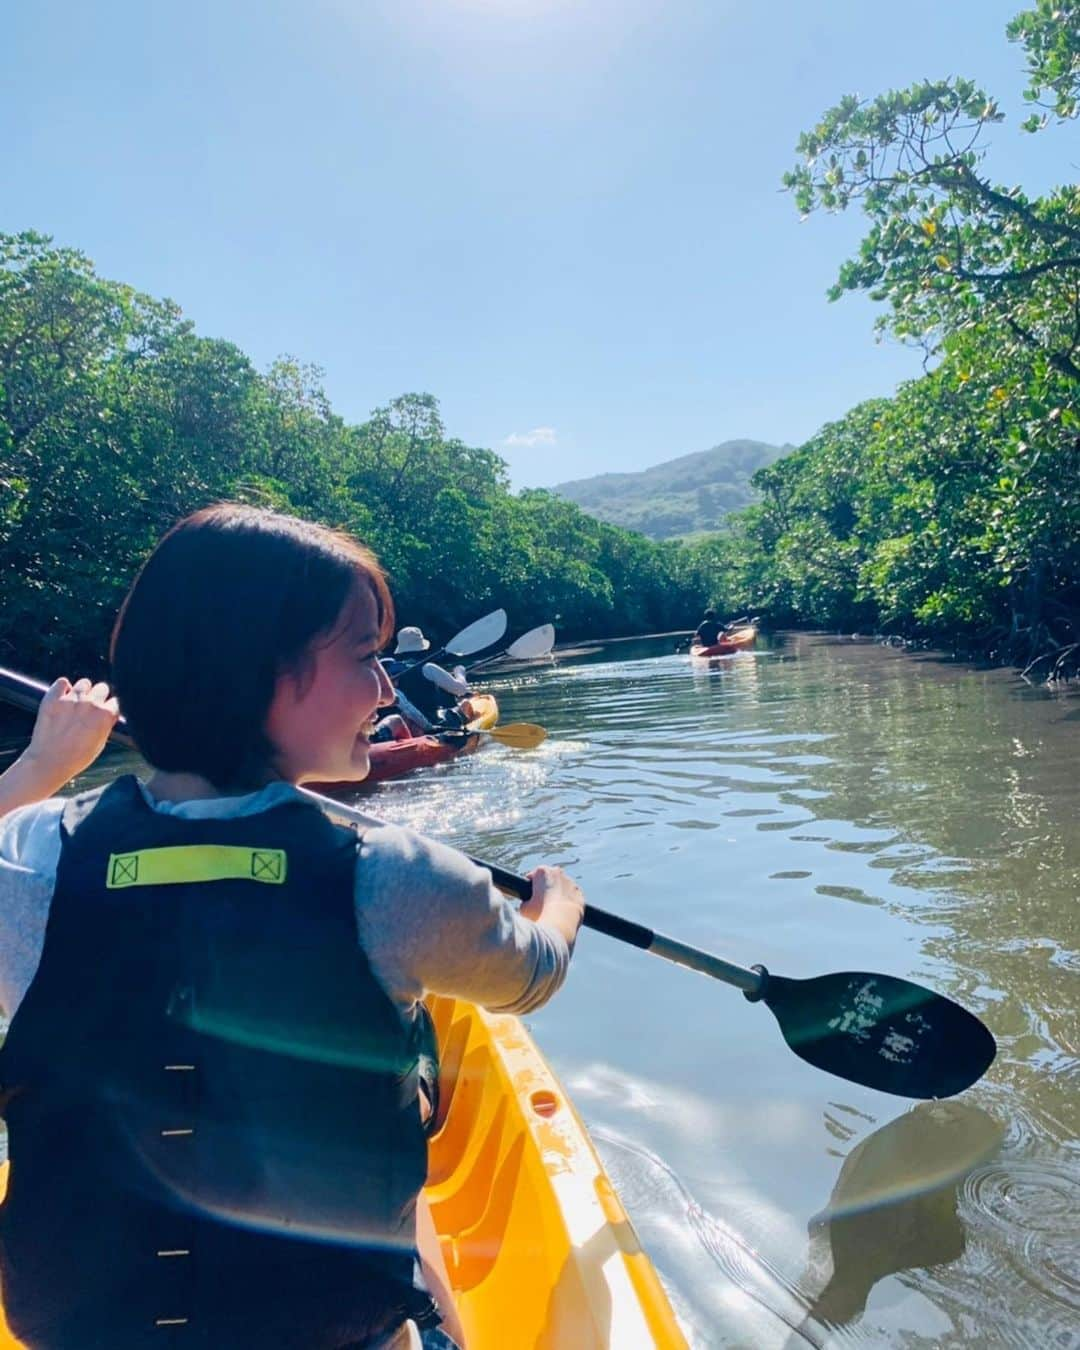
x=739, y=640
x=539, y=1249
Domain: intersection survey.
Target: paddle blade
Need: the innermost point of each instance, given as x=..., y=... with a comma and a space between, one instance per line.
x=535, y=643
x=520, y=735
x=483, y=633
x=881, y=1031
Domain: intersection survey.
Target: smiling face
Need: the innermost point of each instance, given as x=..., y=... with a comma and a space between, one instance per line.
x=322, y=715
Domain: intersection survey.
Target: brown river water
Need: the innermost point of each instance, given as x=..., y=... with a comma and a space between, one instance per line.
x=820, y=804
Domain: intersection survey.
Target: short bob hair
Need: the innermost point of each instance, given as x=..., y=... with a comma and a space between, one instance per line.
x=231, y=598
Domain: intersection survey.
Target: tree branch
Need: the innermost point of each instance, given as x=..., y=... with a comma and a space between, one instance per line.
x=1017, y=278
x=1062, y=363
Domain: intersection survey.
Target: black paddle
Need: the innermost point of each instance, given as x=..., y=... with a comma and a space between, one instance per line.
x=878, y=1030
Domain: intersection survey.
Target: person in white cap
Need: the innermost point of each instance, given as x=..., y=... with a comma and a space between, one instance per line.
x=420, y=702
x=409, y=641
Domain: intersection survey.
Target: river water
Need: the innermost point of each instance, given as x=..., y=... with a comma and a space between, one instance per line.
x=819, y=804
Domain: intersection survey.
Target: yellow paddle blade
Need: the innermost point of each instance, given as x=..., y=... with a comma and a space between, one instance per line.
x=521, y=735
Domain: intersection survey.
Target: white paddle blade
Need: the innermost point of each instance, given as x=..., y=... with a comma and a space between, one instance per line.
x=536, y=642
x=483, y=633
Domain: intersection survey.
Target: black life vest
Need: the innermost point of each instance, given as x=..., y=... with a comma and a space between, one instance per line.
x=422, y=693
x=211, y=1102
x=708, y=632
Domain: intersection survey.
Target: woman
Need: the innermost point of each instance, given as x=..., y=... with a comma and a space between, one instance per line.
x=210, y=1079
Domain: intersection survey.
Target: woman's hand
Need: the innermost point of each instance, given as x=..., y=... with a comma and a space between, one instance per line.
x=556, y=900
x=73, y=724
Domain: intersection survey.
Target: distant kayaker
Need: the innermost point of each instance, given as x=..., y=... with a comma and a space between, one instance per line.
x=708, y=630
x=424, y=686
x=211, y=1077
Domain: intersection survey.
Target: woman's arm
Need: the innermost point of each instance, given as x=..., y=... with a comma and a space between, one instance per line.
x=73, y=724
x=430, y=920
x=442, y=679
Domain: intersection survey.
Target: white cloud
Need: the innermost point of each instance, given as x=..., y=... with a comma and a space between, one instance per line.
x=538, y=436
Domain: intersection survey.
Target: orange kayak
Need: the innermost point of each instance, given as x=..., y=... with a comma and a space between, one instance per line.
x=738, y=640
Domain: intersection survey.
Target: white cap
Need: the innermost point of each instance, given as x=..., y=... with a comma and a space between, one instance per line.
x=410, y=640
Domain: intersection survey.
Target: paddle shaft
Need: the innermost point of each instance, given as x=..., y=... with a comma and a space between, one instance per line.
x=637, y=935
x=25, y=693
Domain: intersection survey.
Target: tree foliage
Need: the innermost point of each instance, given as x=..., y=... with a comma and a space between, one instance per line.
x=116, y=419
x=955, y=506
x=1050, y=33
x=947, y=248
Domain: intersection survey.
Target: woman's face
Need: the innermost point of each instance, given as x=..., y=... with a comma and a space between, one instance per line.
x=322, y=715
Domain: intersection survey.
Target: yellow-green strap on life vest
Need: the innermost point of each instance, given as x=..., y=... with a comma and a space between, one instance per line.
x=195, y=862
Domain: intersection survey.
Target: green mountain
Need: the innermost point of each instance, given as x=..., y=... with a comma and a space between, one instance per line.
x=681, y=496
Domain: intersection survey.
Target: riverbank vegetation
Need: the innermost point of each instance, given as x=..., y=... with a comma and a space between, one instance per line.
x=951, y=511
x=117, y=418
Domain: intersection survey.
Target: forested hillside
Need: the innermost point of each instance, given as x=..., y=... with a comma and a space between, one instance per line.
x=688, y=495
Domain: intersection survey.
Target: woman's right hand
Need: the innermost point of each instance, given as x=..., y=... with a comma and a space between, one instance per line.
x=556, y=900
x=73, y=724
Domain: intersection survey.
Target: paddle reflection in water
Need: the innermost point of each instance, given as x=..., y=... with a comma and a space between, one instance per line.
x=894, y=1205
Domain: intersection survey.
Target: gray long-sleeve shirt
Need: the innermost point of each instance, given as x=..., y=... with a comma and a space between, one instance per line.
x=427, y=918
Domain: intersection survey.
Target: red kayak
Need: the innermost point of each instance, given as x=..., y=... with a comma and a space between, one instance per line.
x=738, y=640
x=391, y=759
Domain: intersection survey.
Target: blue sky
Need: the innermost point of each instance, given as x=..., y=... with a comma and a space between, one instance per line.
x=561, y=217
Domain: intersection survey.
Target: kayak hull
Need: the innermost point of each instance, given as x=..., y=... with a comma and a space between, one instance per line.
x=741, y=640
x=392, y=759
x=538, y=1248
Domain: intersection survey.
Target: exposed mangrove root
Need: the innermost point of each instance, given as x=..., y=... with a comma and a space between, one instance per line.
x=1064, y=664
x=1047, y=651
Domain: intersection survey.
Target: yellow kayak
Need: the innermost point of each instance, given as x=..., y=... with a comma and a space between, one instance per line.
x=538, y=1247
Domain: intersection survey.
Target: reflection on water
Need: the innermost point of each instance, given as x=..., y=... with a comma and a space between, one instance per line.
x=894, y=1205
x=818, y=805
